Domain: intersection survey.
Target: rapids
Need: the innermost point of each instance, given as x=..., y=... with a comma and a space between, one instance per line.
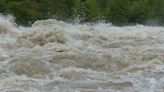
x=54, y=56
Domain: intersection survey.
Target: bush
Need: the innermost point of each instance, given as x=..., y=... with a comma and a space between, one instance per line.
x=119, y=12
x=25, y=12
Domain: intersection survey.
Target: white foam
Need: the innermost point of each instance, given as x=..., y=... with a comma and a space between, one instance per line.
x=54, y=56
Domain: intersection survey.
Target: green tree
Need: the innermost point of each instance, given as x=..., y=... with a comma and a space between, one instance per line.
x=23, y=12
x=141, y=11
x=118, y=11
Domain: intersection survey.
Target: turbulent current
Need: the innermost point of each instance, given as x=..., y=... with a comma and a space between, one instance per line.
x=55, y=56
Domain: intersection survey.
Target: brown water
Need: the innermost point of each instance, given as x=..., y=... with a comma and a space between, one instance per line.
x=54, y=56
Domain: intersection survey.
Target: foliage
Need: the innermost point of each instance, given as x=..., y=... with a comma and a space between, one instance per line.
x=119, y=12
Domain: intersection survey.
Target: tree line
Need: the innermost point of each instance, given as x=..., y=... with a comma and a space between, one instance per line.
x=118, y=12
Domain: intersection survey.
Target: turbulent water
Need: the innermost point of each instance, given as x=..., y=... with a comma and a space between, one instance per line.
x=54, y=56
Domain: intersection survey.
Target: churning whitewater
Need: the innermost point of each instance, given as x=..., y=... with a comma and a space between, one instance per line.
x=55, y=56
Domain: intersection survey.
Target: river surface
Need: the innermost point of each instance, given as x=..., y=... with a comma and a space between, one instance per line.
x=55, y=56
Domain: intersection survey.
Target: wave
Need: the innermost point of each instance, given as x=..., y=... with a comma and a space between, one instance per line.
x=55, y=56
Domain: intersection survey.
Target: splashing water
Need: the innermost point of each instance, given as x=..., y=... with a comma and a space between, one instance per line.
x=54, y=56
